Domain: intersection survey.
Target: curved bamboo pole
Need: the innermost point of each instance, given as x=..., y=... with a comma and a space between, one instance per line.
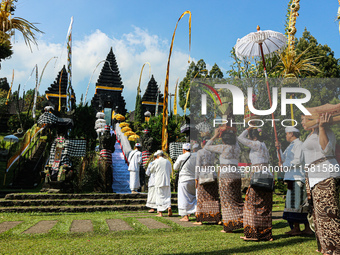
x=175, y=99
x=38, y=85
x=140, y=76
x=88, y=85
x=166, y=85
x=10, y=89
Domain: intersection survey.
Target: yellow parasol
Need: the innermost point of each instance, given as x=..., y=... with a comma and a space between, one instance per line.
x=123, y=124
x=133, y=137
x=129, y=133
x=119, y=117
x=126, y=129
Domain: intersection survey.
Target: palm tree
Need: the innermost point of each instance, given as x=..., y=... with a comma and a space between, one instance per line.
x=9, y=24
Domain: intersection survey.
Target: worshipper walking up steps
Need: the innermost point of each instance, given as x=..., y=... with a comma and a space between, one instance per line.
x=257, y=211
x=162, y=169
x=135, y=160
x=323, y=184
x=293, y=163
x=185, y=164
x=208, y=202
x=229, y=179
x=151, y=200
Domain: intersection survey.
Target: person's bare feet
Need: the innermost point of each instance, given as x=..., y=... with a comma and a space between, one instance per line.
x=185, y=218
x=307, y=232
x=222, y=231
x=197, y=223
x=169, y=212
x=293, y=232
x=151, y=211
x=159, y=214
x=249, y=239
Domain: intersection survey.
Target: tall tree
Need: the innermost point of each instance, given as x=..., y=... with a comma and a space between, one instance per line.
x=138, y=109
x=215, y=72
x=8, y=26
x=326, y=62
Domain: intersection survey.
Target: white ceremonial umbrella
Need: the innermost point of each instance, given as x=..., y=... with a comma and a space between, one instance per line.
x=11, y=138
x=259, y=44
x=100, y=115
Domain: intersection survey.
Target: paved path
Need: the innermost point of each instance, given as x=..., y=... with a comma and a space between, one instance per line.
x=4, y=226
x=42, y=227
x=83, y=226
x=152, y=224
x=118, y=225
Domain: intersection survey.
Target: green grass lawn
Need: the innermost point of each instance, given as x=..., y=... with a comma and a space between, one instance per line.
x=205, y=239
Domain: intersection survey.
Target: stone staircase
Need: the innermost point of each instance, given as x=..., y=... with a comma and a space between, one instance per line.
x=55, y=203
x=29, y=175
x=120, y=173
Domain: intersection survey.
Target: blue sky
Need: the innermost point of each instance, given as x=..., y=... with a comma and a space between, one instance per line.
x=141, y=31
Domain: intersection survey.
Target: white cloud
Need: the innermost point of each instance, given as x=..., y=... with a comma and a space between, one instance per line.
x=132, y=50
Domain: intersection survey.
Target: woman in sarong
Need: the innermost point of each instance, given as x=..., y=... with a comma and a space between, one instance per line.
x=208, y=201
x=229, y=179
x=323, y=184
x=257, y=211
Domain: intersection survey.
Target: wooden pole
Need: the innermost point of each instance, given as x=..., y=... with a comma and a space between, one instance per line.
x=270, y=100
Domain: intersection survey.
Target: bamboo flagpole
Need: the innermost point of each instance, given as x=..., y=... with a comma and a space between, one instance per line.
x=166, y=85
x=140, y=76
x=175, y=99
x=10, y=89
x=38, y=85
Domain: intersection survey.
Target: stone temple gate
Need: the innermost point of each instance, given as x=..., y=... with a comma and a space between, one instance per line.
x=109, y=88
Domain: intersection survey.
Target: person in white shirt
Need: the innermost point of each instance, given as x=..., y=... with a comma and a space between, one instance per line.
x=185, y=164
x=162, y=169
x=323, y=183
x=294, y=176
x=151, y=199
x=135, y=159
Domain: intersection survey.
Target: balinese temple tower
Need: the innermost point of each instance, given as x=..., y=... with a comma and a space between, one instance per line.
x=109, y=88
x=58, y=90
x=149, y=99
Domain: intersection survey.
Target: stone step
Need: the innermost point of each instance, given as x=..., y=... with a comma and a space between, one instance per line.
x=74, y=202
x=73, y=208
x=63, y=209
x=21, y=196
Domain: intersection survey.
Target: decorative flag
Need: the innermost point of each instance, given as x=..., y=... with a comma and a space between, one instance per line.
x=61, y=75
x=35, y=91
x=69, y=65
x=157, y=102
x=166, y=85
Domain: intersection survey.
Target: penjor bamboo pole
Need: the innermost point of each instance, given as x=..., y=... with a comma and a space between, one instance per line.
x=166, y=85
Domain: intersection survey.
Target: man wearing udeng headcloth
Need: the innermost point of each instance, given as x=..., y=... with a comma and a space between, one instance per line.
x=292, y=165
